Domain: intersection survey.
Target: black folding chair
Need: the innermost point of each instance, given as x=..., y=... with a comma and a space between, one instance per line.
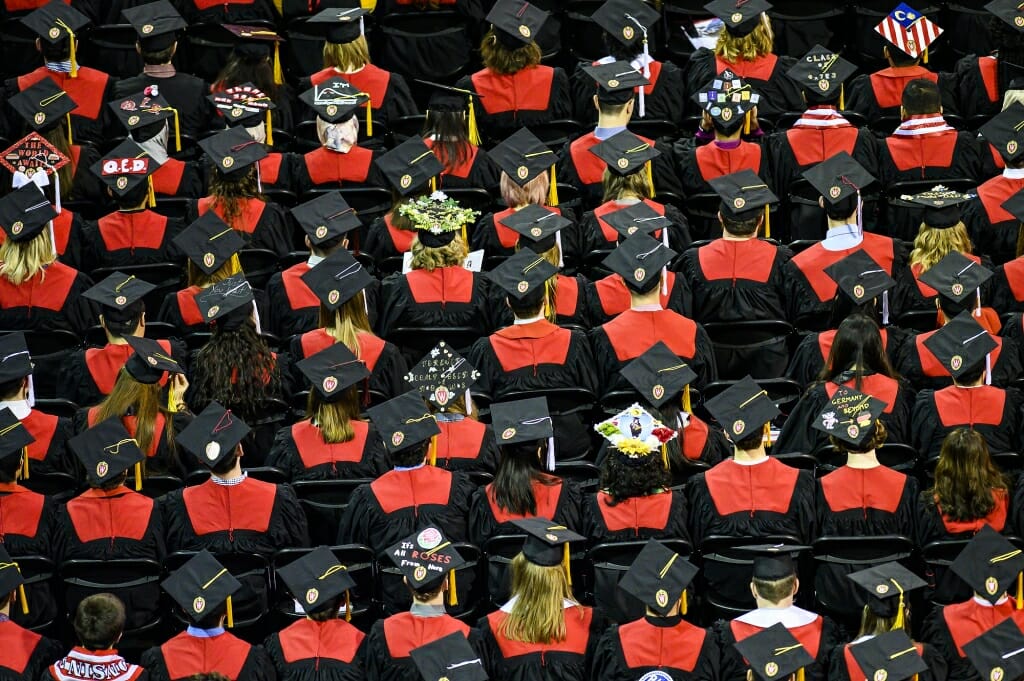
x=759, y=348
x=324, y=502
x=607, y=564
x=359, y=565
x=837, y=557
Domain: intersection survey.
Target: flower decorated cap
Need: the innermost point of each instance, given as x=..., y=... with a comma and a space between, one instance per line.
x=437, y=218
x=635, y=432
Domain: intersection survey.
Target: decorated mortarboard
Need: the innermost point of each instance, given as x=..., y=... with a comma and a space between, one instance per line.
x=332, y=370
x=43, y=105
x=639, y=217
x=885, y=587
x=859, y=277
x=941, y=206
x=437, y=218
x=774, y=653
x=24, y=212
x=636, y=434
x=57, y=21
x=404, y=421
x=118, y=291
x=522, y=156
x=773, y=562
x=849, y=416
x=149, y=361
x=410, y=166
x=909, y=31
x=628, y=21
x=962, y=345
x=156, y=24
x=538, y=227
x=639, y=260
x=201, y=586
x=425, y=558
x=209, y=242
x=743, y=409
x=891, y=656
x=449, y=657
x=743, y=195
x=337, y=279
x=233, y=150
x=658, y=577
x=213, y=435
x=1010, y=11
x=316, y=579
x=547, y=542
x=616, y=82
x=15, y=358
x=523, y=274
x=244, y=105
x=822, y=72
x=659, y=374
x=326, y=217
x=11, y=579
x=729, y=101
x=956, y=276
x=125, y=167
x=14, y=436
x=1005, y=132
x=442, y=376
x=340, y=24
x=516, y=22
x=255, y=42
x=33, y=154
x=990, y=565
x=335, y=100
x=1015, y=205
x=739, y=16
x=998, y=653
x=225, y=297
x=838, y=177
x=521, y=421
x=106, y=451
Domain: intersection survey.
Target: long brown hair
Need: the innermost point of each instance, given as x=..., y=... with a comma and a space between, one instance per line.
x=334, y=418
x=965, y=477
x=346, y=323
x=538, y=615
x=874, y=625
x=144, y=403
x=504, y=61
x=626, y=186
x=229, y=193
x=58, y=137
x=237, y=369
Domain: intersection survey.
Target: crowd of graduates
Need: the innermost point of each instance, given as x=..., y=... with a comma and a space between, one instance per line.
x=553, y=365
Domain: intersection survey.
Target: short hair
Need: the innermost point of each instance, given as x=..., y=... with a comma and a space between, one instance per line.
x=8, y=389
x=158, y=57
x=775, y=590
x=921, y=96
x=410, y=456
x=124, y=322
x=741, y=227
x=841, y=209
x=99, y=621
x=224, y=466
x=750, y=442
x=529, y=305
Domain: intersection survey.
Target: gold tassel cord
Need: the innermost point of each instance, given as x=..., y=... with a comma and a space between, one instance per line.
x=348, y=607
x=278, y=73
x=71, y=41
x=138, y=477
x=650, y=176
x=177, y=130
x=231, y=614
x=369, y=114
x=432, y=457
x=746, y=124
x=842, y=99
x=767, y=222
x=552, y=187
x=766, y=439
x=684, y=604
x=150, y=192
x=24, y=463
x=1020, y=591
x=687, y=406
x=565, y=563
x=664, y=456
x=899, y=623
x=71, y=141
x=453, y=596
x=474, y=132
x=270, y=129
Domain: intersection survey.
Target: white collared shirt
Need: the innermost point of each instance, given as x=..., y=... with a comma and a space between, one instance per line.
x=842, y=237
x=790, y=617
x=19, y=408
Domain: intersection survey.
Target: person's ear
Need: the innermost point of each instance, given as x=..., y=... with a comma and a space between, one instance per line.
x=821, y=202
x=307, y=242
x=138, y=48
x=796, y=586
x=39, y=45
x=630, y=105
x=597, y=104
x=753, y=591
x=103, y=322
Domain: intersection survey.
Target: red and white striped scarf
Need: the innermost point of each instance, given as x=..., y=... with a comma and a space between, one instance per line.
x=922, y=124
x=821, y=118
x=101, y=665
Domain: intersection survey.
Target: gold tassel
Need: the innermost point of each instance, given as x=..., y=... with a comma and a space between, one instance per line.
x=746, y=124
x=278, y=6
x=151, y=195
x=766, y=440
x=664, y=456
x=348, y=607
x=433, y=184
x=71, y=142
x=684, y=605
x=231, y=615
x=433, y=451
x=474, y=132
x=270, y=129
x=842, y=98
x=74, y=57
x=23, y=598
x=687, y=407
x=898, y=624
x=177, y=131
x=278, y=74
x=767, y=222
x=24, y=463
x=1020, y=591
x=552, y=188
x=650, y=177
x=138, y=477
x=565, y=563
x=800, y=674
x=453, y=596
x=925, y=55
x=465, y=238
x=369, y=116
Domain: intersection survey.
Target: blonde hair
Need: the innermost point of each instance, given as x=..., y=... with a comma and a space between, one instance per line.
x=346, y=323
x=533, y=192
x=538, y=614
x=626, y=186
x=197, y=277
x=334, y=418
x=757, y=43
x=347, y=57
x=874, y=625
x=933, y=244
x=552, y=255
x=504, y=61
x=430, y=259
x=22, y=260
x=58, y=137
x=142, y=399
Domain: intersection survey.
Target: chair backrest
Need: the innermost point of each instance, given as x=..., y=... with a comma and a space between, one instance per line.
x=758, y=348
x=586, y=475
x=155, y=486
x=472, y=197
x=323, y=502
x=836, y=557
x=258, y=264
x=58, y=486
x=938, y=556
x=57, y=407
x=359, y=564
x=727, y=571
x=130, y=579
x=608, y=563
x=415, y=342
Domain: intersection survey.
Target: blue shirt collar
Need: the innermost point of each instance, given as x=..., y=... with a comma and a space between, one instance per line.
x=204, y=633
x=604, y=133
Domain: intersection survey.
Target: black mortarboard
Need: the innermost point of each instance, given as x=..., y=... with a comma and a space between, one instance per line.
x=442, y=376
x=773, y=653
x=537, y=226
x=10, y=577
x=658, y=374
x=55, y=21
x=773, y=561
x=15, y=359
x=225, y=297
x=742, y=409
x=522, y=156
x=449, y=658
x=961, y=345
x=728, y=100
x=860, y=277
x=341, y=24
x=201, y=585
x=334, y=100
x=1015, y=205
x=43, y=104
x=233, y=150
x=14, y=437
x=106, y=450
x=638, y=260
x=150, y=361
x=821, y=72
x=838, y=177
x=425, y=558
x=209, y=242
x=956, y=276
x=337, y=279
x=404, y=421
x=546, y=541
x=639, y=217
x=989, y=564
x=255, y=42
x=941, y=206
x=142, y=109
x=326, y=217
x=213, y=434
x=1009, y=11
x=658, y=577
x=523, y=273
x=849, y=416
x=739, y=16
x=743, y=194
x=409, y=166
x=997, y=653
x=243, y=104
x=24, y=212
x=445, y=98
x=616, y=82
x=332, y=370
x=891, y=656
x=516, y=22
x=316, y=578
x=628, y=21
x=125, y=167
x=1005, y=132
x=521, y=421
x=886, y=586
x=156, y=23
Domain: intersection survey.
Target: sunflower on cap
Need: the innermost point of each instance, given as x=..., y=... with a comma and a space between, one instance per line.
x=635, y=433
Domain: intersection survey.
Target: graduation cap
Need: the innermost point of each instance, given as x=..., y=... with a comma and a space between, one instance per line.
x=1005, y=132
x=150, y=361
x=659, y=375
x=57, y=21
x=774, y=653
x=106, y=451
x=941, y=206
x=125, y=167
x=437, y=219
x=849, y=416
x=1009, y=11
x=11, y=579
x=449, y=657
x=729, y=101
x=743, y=195
x=317, y=578
x=956, y=277
x=537, y=226
x=909, y=31
x=997, y=653
x=201, y=585
x=886, y=587
x=332, y=370
x=990, y=564
x=252, y=43
x=742, y=409
x=628, y=21
x=822, y=72
x=838, y=177
x=773, y=562
x=118, y=293
x=225, y=297
x=442, y=376
x=14, y=438
x=336, y=101
x=634, y=434
x=658, y=577
x=860, y=277
x=33, y=154
x=141, y=110
x=326, y=217
x=213, y=435
x=337, y=279
x=638, y=260
x=410, y=166
x=156, y=23
x=24, y=212
x=425, y=558
x=891, y=656
x=522, y=156
x=404, y=421
x=639, y=217
x=521, y=421
x=962, y=345
x=523, y=273
x=616, y=81
x=233, y=150
x=445, y=98
x=15, y=358
x=43, y=105
x=739, y=16
x=547, y=543
x=245, y=105
x=516, y=22
x=341, y=24
x=209, y=242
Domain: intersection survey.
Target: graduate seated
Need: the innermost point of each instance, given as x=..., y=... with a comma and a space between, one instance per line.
x=254, y=59
x=774, y=654
x=451, y=130
x=984, y=78
x=1007, y=290
x=99, y=623
x=249, y=107
x=993, y=228
x=26, y=653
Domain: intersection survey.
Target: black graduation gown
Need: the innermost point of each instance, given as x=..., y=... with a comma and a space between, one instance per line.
x=185, y=655
x=477, y=170
x=320, y=651
x=163, y=454
x=948, y=628
x=183, y=91
x=662, y=97
x=911, y=294
x=936, y=156
x=383, y=240
x=811, y=354
x=400, y=502
x=182, y=179
x=918, y=365
x=300, y=452
x=536, y=94
x=390, y=640
x=27, y=529
x=793, y=151
x=277, y=172
x=445, y=297
x=844, y=666
x=557, y=499
x=699, y=165
x=383, y=360
x=598, y=235
x=993, y=412
x=654, y=516
x=55, y=303
x=735, y=281
x=610, y=297
x=136, y=237
x=980, y=93
x=465, y=444
x=670, y=645
x=90, y=91
x=262, y=224
x=879, y=94
x=1007, y=287
x=766, y=75
x=819, y=638
x=26, y=653
x=49, y=453
x=180, y=310
x=390, y=97
x=498, y=241
x=231, y=12
x=323, y=168
x=69, y=238
x=87, y=376
x=993, y=230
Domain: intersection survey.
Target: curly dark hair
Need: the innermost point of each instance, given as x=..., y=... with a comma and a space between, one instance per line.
x=237, y=369
x=623, y=477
